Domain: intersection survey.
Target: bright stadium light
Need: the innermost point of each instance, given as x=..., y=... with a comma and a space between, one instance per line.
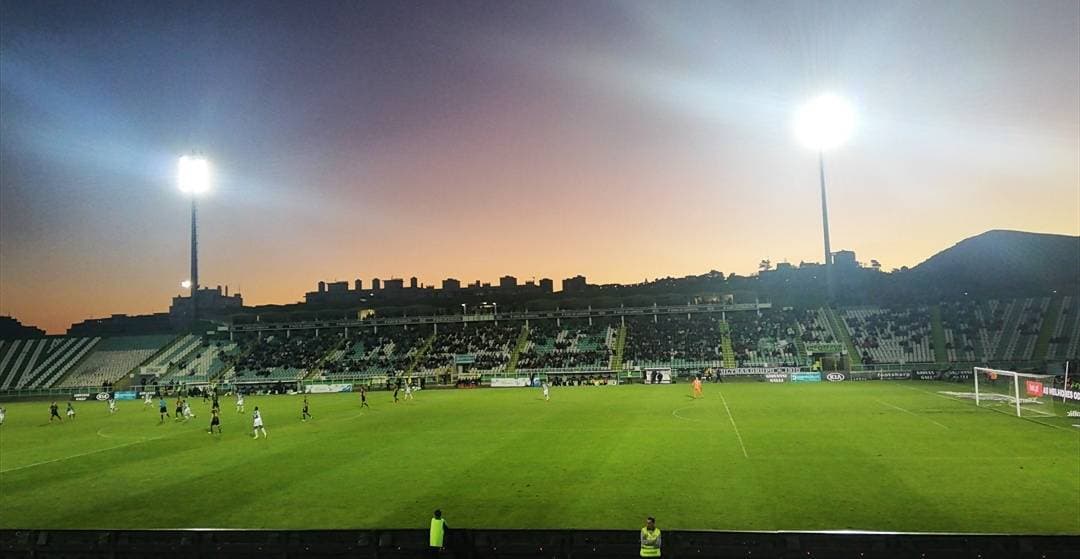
x=186, y=284
x=825, y=122
x=194, y=175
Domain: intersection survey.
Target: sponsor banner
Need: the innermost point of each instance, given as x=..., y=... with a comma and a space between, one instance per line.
x=102, y=396
x=860, y=376
x=776, y=377
x=126, y=395
x=834, y=377
x=156, y=370
x=657, y=376
x=80, y=397
x=327, y=388
x=464, y=359
x=757, y=371
x=957, y=375
x=926, y=375
x=1057, y=392
x=805, y=377
x=894, y=375
x=509, y=382
x=1034, y=388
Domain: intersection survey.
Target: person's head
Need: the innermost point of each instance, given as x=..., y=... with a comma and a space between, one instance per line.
x=438, y=513
x=256, y=408
x=650, y=523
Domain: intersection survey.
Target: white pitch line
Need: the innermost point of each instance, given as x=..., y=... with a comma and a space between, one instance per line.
x=741, y=445
x=78, y=455
x=913, y=413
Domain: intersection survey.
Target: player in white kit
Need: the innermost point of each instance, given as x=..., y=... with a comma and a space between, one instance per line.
x=547, y=393
x=257, y=424
x=408, y=390
x=147, y=400
x=239, y=403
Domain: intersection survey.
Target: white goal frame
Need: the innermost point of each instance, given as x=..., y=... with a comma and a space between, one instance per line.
x=1016, y=382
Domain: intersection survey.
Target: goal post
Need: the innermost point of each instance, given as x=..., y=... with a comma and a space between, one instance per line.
x=1025, y=394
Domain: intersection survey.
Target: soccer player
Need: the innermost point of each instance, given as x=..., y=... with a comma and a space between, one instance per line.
x=547, y=391
x=363, y=398
x=179, y=409
x=70, y=411
x=187, y=411
x=396, y=388
x=304, y=415
x=3, y=412
x=408, y=390
x=215, y=421
x=239, y=403
x=257, y=424
x=112, y=404
x=148, y=400
x=697, y=387
x=54, y=411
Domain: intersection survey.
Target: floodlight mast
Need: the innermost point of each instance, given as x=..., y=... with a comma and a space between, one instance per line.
x=194, y=180
x=822, y=124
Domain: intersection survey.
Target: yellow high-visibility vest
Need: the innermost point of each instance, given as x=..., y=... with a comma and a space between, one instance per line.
x=650, y=542
x=437, y=531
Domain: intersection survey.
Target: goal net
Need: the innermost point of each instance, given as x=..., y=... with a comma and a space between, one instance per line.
x=1034, y=396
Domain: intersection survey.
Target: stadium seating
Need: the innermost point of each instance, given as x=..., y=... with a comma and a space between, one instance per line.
x=490, y=345
x=1065, y=333
x=367, y=352
x=767, y=338
x=203, y=363
x=278, y=357
x=112, y=358
x=674, y=340
x=571, y=345
x=996, y=330
x=890, y=335
x=39, y=363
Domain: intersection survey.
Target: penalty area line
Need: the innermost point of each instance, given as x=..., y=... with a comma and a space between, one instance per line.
x=732, y=418
x=895, y=407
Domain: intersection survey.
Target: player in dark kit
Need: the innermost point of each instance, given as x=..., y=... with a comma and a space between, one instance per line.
x=363, y=398
x=397, y=387
x=163, y=409
x=179, y=409
x=304, y=415
x=215, y=421
x=54, y=411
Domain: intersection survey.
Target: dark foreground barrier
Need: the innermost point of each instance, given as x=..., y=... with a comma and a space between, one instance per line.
x=492, y=544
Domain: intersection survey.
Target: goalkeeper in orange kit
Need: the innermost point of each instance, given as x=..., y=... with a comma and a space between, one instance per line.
x=696, y=384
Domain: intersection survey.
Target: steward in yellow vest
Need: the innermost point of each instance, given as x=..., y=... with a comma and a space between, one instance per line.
x=650, y=539
x=438, y=531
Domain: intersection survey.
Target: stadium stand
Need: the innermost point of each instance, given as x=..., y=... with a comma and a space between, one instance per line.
x=999, y=330
x=890, y=335
x=279, y=357
x=112, y=358
x=203, y=363
x=674, y=341
x=367, y=352
x=575, y=344
x=1065, y=335
x=172, y=354
x=764, y=339
x=490, y=344
x=813, y=326
x=39, y=363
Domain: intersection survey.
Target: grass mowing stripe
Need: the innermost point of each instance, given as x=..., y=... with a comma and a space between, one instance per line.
x=911, y=413
x=741, y=445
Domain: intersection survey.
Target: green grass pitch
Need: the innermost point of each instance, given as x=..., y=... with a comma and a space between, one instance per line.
x=891, y=456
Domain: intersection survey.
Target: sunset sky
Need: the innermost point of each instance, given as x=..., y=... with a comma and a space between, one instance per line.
x=619, y=140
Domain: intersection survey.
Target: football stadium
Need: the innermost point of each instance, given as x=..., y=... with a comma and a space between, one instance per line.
x=312, y=154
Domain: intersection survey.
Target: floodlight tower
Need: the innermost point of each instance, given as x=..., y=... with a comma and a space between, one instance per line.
x=823, y=124
x=194, y=180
